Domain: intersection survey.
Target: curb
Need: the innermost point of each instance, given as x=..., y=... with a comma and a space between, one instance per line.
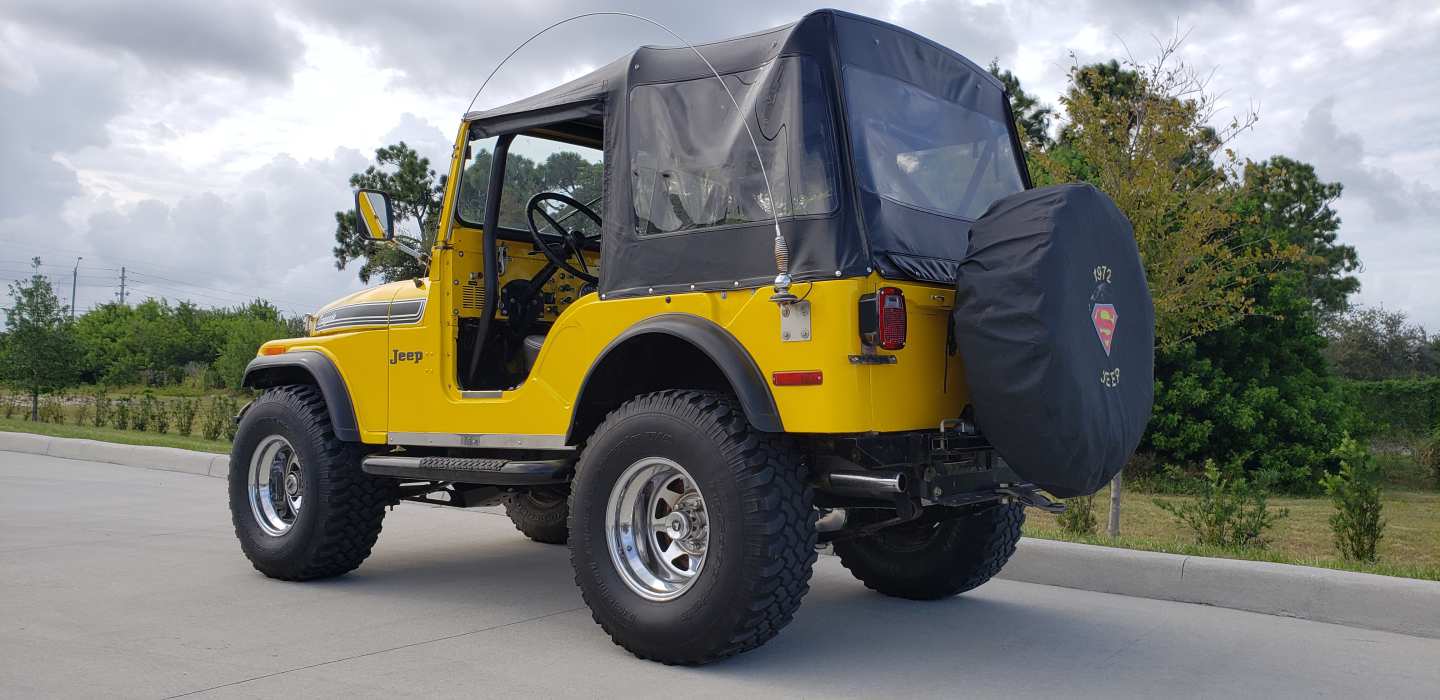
x=1370, y=601
x=168, y=459
x=1387, y=603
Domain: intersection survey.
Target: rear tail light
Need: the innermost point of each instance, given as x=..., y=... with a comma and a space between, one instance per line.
x=883, y=318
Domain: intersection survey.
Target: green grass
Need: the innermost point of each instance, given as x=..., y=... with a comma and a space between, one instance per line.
x=124, y=437
x=1410, y=547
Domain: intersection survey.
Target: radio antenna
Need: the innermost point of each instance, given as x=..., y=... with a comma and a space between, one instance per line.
x=782, y=293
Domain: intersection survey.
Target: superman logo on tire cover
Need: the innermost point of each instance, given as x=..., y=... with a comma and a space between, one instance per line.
x=1105, y=318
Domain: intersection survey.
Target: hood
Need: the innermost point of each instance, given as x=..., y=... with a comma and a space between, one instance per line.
x=374, y=307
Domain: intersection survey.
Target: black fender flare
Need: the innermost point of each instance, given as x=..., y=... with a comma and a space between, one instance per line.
x=308, y=367
x=716, y=343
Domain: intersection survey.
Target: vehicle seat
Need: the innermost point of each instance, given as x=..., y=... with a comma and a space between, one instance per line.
x=531, y=349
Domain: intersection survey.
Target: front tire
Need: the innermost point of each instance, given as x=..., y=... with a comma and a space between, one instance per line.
x=692, y=536
x=301, y=506
x=928, y=561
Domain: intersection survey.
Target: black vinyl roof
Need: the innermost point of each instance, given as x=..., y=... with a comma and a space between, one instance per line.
x=675, y=63
x=864, y=232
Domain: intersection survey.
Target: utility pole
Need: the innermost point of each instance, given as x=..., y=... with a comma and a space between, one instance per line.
x=122, y=285
x=74, y=277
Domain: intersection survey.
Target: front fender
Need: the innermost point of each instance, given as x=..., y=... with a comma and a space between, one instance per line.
x=308, y=367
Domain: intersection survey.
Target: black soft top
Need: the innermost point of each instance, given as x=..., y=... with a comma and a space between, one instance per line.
x=789, y=83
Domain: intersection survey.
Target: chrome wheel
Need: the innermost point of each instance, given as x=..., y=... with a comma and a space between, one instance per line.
x=656, y=528
x=276, y=485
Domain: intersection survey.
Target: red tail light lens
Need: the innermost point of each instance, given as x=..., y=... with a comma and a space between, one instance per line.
x=890, y=305
x=882, y=318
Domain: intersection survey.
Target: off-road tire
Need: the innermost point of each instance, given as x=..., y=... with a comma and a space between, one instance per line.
x=340, y=519
x=761, y=523
x=542, y=516
x=928, y=562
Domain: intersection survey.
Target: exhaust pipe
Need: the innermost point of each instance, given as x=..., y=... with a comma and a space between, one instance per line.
x=879, y=485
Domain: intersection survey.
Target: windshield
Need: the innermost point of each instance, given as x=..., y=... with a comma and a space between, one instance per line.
x=927, y=152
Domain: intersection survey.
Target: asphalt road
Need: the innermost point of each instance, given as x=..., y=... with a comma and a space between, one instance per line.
x=124, y=582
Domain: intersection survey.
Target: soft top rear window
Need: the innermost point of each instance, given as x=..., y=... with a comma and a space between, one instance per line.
x=927, y=152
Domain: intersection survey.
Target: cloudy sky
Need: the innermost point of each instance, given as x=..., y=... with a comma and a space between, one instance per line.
x=205, y=146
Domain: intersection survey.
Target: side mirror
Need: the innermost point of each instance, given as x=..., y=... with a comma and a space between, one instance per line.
x=374, y=216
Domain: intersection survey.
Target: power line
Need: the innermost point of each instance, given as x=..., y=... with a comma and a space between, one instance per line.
x=134, y=264
x=159, y=291
x=242, y=295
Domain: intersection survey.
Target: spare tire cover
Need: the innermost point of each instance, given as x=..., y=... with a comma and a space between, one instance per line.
x=1054, y=323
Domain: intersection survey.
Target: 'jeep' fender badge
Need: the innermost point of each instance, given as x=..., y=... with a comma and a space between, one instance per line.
x=1104, y=317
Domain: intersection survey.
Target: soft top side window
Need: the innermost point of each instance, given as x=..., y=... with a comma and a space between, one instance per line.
x=693, y=166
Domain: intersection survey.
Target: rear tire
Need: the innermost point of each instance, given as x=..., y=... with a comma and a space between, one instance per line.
x=541, y=514
x=739, y=510
x=931, y=561
x=301, y=506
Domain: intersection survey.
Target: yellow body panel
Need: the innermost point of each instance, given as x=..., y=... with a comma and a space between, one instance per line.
x=402, y=378
x=923, y=387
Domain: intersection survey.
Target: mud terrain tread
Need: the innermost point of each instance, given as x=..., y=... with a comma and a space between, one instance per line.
x=782, y=509
x=973, y=557
x=356, y=501
x=534, y=520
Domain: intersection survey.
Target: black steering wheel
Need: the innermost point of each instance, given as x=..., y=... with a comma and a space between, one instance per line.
x=572, y=242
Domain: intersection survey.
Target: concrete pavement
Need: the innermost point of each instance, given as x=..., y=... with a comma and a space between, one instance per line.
x=117, y=581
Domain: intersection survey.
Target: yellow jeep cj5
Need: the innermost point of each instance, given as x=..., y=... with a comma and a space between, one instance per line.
x=742, y=327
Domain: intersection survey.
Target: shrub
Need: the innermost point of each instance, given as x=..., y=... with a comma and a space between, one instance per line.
x=231, y=426
x=1079, y=517
x=183, y=415
x=52, y=409
x=1355, y=491
x=219, y=419
x=160, y=421
x=1228, y=510
x=1396, y=406
x=101, y=416
x=1429, y=454
x=144, y=413
x=121, y=417
x=81, y=416
x=8, y=405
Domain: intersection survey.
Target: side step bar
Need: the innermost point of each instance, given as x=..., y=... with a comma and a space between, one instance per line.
x=471, y=470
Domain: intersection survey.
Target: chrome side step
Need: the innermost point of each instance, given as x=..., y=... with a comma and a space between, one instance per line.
x=471, y=470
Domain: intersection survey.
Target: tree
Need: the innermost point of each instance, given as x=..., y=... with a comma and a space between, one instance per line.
x=1031, y=117
x=1283, y=197
x=416, y=194
x=38, y=352
x=1142, y=134
x=1374, y=343
x=1256, y=396
x=245, y=329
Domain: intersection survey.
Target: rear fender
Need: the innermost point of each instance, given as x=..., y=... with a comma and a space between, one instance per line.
x=727, y=366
